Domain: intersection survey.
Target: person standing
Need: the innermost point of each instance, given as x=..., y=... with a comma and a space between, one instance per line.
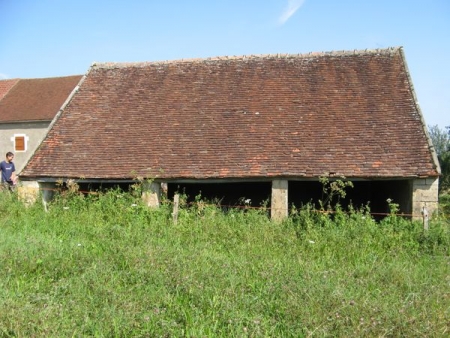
x=8, y=169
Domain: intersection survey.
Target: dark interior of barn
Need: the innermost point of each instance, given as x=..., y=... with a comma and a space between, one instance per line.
x=374, y=194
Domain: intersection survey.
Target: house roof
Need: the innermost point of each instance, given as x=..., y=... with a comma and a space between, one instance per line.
x=6, y=85
x=35, y=99
x=292, y=116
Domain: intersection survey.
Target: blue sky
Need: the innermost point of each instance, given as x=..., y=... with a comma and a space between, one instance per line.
x=47, y=38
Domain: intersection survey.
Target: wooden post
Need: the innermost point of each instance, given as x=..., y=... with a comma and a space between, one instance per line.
x=425, y=218
x=176, y=204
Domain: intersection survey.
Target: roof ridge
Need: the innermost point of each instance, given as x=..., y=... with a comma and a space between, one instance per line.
x=13, y=79
x=49, y=77
x=389, y=50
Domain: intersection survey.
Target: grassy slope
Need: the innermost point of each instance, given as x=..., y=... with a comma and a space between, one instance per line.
x=106, y=268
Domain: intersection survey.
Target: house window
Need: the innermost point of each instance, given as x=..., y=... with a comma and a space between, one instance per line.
x=20, y=142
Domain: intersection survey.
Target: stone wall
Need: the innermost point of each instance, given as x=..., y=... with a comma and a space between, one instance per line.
x=33, y=134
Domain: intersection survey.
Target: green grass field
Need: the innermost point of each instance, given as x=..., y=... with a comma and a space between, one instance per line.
x=106, y=266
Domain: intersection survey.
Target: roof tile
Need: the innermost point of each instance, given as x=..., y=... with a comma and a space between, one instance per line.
x=6, y=85
x=296, y=116
x=36, y=99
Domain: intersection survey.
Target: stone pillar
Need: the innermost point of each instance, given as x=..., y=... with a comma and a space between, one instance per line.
x=151, y=194
x=425, y=193
x=28, y=192
x=279, y=206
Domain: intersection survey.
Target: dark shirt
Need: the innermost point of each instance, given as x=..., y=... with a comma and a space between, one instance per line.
x=7, y=170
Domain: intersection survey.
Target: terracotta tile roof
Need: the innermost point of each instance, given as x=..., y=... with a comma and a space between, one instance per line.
x=294, y=116
x=6, y=85
x=36, y=99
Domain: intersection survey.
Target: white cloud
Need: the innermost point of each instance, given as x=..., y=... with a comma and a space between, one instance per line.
x=292, y=7
x=3, y=76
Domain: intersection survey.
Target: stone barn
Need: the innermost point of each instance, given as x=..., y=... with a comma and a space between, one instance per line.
x=263, y=128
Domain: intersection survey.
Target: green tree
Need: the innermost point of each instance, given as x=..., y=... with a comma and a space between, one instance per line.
x=441, y=142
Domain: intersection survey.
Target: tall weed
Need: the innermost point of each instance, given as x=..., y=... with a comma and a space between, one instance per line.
x=106, y=265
